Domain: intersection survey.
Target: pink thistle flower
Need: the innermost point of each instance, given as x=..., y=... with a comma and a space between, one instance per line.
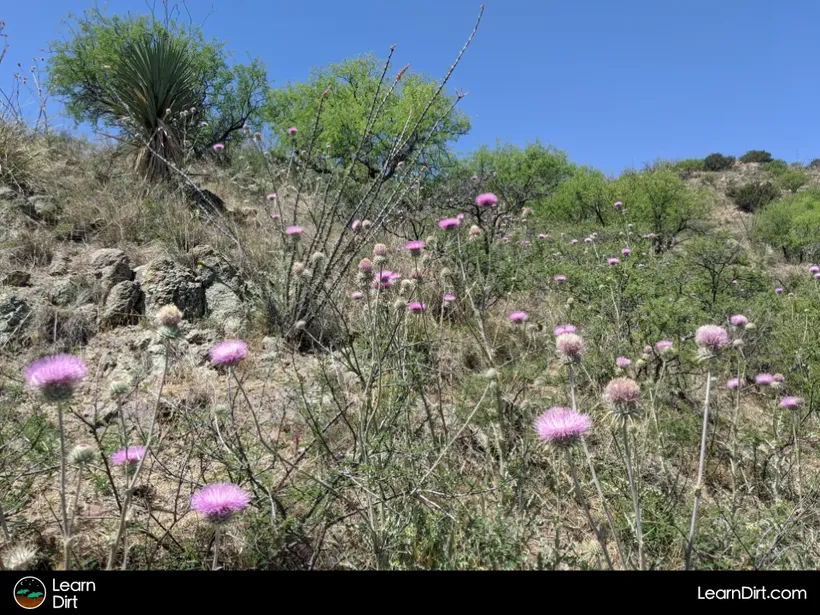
x=518, y=317
x=356, y=295
x=790, y=403
x=218, y=502
x=414, y=247
x=271, y=196
x=664, y=346
x=449, y=224
x=623, y=362
x=219, y=147
x=294, y=231
x=292, y=130
x=778, y=291
x=562, y=426
x=814, y=269
x=764, y=380
x=474, y=178
x=543, y=236
x=275, y=216
x=574, y=241
x=562, y=329
x=131, y=455
x=618, y=205
x=449, y=298
x=711, y=337
x=613, y=261
x=738, y=320
x=622, y=392
x=380, y=250
x=626, y=252
x=570, y=346
x=365, y=265
x=416, y=307
x=733, y=383
x=588, y=240
x=560, y=278
x=356, y=225
x=57, y=375
x=229, y=352
x=486, y=199
x=817, y=276
x=460, y=217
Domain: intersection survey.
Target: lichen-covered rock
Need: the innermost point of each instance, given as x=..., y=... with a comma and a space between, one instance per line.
x=109, y=267
x=124, y=305
x=213, y=267
x=13, y=312
x=15, y=278
x=225, y=307
x=165, y=281
x=62, y=292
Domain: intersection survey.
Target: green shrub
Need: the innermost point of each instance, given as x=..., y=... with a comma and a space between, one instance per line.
x=793, y=180
x=792, y=225
x=815, y=164
x=756, y=155
x=776, y=167
x=752, y=196
x=718, y=162
x=685, y=168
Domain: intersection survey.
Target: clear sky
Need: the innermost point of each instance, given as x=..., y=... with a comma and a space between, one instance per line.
x=614, y=84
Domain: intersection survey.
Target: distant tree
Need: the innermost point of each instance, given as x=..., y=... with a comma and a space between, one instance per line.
x=756, y=155
x=792, y=225
x=718, y=162
x=793, y=179
x=754, y=195
x=587, y=194
x=364, y=116
x=99, y=52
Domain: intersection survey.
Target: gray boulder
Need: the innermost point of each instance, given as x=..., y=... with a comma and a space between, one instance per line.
x=165, y=281
x=124, y=305
x=109, y=267
x=16, y=278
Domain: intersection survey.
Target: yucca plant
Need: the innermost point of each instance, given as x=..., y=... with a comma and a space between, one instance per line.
x=154, y=91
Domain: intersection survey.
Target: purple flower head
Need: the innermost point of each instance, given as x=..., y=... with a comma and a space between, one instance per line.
x=474, y=178
x=132, y=455
x=574, y=241
x=790, y=403
x=292, y=130
x=294, y=231
x=570, y=346
x=416, y=307
x=229, y=352
x=588, y=240
x=218, y=502
x=613, y=261
x=664, y=346
x=626, y=252
x=622, y=392
x=271, y=196
x=449, y=224
x=356, y=224
x=356, y=295
x=560, y=278
x=764, y=380
x=449, y=298
x=562, y=426
x=414, y=247
x=486, y=199
x=738, y=320
x=779, y=291
x=814, y=269
x=460, y=217
x=623, y=362
x=543, y=236
x=733, y=383
x=518, y=317
x=562, y=329
x=618, y=205
x=380, y=250
x=218, y=147
x=57, y=375
x=711, y=337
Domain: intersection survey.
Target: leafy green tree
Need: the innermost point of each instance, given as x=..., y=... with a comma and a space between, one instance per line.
x=663, y=202
x=379, y=122
x=83, y=65
x=792, y=225
x=587, y=194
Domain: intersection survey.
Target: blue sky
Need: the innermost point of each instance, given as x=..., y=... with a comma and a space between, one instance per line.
x=614, y=84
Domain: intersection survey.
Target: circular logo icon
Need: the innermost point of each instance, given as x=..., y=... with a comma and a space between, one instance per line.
x=30, y=592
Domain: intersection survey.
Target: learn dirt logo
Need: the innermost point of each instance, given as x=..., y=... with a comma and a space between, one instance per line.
x=30, y=592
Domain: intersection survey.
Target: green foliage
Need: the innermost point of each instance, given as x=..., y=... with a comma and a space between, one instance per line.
x=754, y=195
x=405, y=126
x=792, y=225
x=587, y=195
x=815, y=164
x=686, y=168
x=793, y=179
x=756, y=155
x=81, y=68
x=718, y=162
x=661, y=202
x=776, y=168
x=519, y=176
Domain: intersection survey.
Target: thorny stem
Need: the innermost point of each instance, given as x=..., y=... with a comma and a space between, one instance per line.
x=635, y=501
x=63, y=505
x=598, y=534
x=217, y=533
x=698, y=484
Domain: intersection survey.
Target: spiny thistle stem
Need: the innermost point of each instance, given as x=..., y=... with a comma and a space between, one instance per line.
x=635, y=501
x=63, y=504
x=217, y=533
x=598, y=533
x=701, y=463
x=600, y=493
